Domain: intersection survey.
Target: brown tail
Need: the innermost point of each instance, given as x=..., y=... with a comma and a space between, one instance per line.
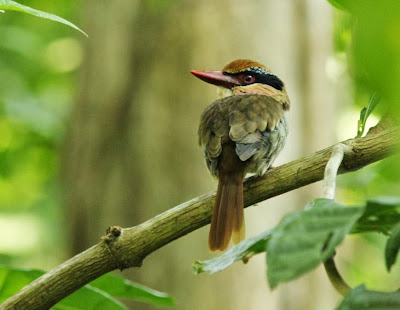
x=228, y=214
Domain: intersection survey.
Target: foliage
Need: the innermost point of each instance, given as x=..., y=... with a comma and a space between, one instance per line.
x=360, y=298
x=375, y=48
x=121, y=288
x=392, y=247
x=365, y=113
x=304, y=239
x=9, y=5
x=243, y=251
x=381, y=215
x=99, y=294
x=38, y=66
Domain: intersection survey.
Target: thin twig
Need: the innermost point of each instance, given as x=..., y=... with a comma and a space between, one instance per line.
x=127, y=247
x=336, y=279
x=328, y=189
x=331, y=170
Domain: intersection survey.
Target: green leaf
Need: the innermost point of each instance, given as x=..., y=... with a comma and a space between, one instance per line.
x=306, y=238
x=361, y=123
x=243, y=251
x=347, y=5
x=13, y=280
x=361, y=299
x=365, y=113
x=89, y=298
x=9, y=5
x=381, y=215
x=392, y=247
x=119, y=287
x=99, y=294
x=339, y=4
x=374, y=49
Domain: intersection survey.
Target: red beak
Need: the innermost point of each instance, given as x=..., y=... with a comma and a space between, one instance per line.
x=218, y=78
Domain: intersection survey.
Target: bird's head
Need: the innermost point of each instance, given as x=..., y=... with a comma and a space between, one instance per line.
x=244, y=76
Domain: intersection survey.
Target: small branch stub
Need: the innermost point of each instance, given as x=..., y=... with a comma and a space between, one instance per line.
x=112, y=233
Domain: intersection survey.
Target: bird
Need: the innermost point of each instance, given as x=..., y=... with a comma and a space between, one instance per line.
x=241, y=132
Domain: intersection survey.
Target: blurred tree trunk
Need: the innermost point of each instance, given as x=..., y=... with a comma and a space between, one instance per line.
x=131, y=151
x=126, y=146
x=103, y=168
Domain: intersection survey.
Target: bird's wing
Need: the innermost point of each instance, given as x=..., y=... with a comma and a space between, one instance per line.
x=251, y=121
x=214, y=131
x=244, y=119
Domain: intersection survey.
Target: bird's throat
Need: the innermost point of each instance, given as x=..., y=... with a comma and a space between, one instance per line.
x=223, y=92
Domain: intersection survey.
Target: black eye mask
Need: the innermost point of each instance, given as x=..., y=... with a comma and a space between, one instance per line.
x=262, y=76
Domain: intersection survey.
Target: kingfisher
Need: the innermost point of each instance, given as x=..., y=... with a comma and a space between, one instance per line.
x=242, y=132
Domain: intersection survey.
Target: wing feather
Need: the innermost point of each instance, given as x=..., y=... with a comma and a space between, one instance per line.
x=245, y=119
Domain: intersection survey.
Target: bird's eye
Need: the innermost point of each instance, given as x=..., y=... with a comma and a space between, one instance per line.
x=248, y=79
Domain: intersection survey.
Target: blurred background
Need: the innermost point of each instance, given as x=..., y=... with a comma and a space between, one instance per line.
x=102, y=131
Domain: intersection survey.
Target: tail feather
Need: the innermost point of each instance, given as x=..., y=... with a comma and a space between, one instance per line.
x=228, y=214
x=224, y=218
x=238, y=218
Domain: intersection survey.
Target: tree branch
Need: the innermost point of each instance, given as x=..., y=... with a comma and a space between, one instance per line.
x=127, y=247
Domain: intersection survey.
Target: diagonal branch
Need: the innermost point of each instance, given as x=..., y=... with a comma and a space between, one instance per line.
x=127, y=247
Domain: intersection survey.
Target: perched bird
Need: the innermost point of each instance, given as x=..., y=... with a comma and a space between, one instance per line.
x=242, y=132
